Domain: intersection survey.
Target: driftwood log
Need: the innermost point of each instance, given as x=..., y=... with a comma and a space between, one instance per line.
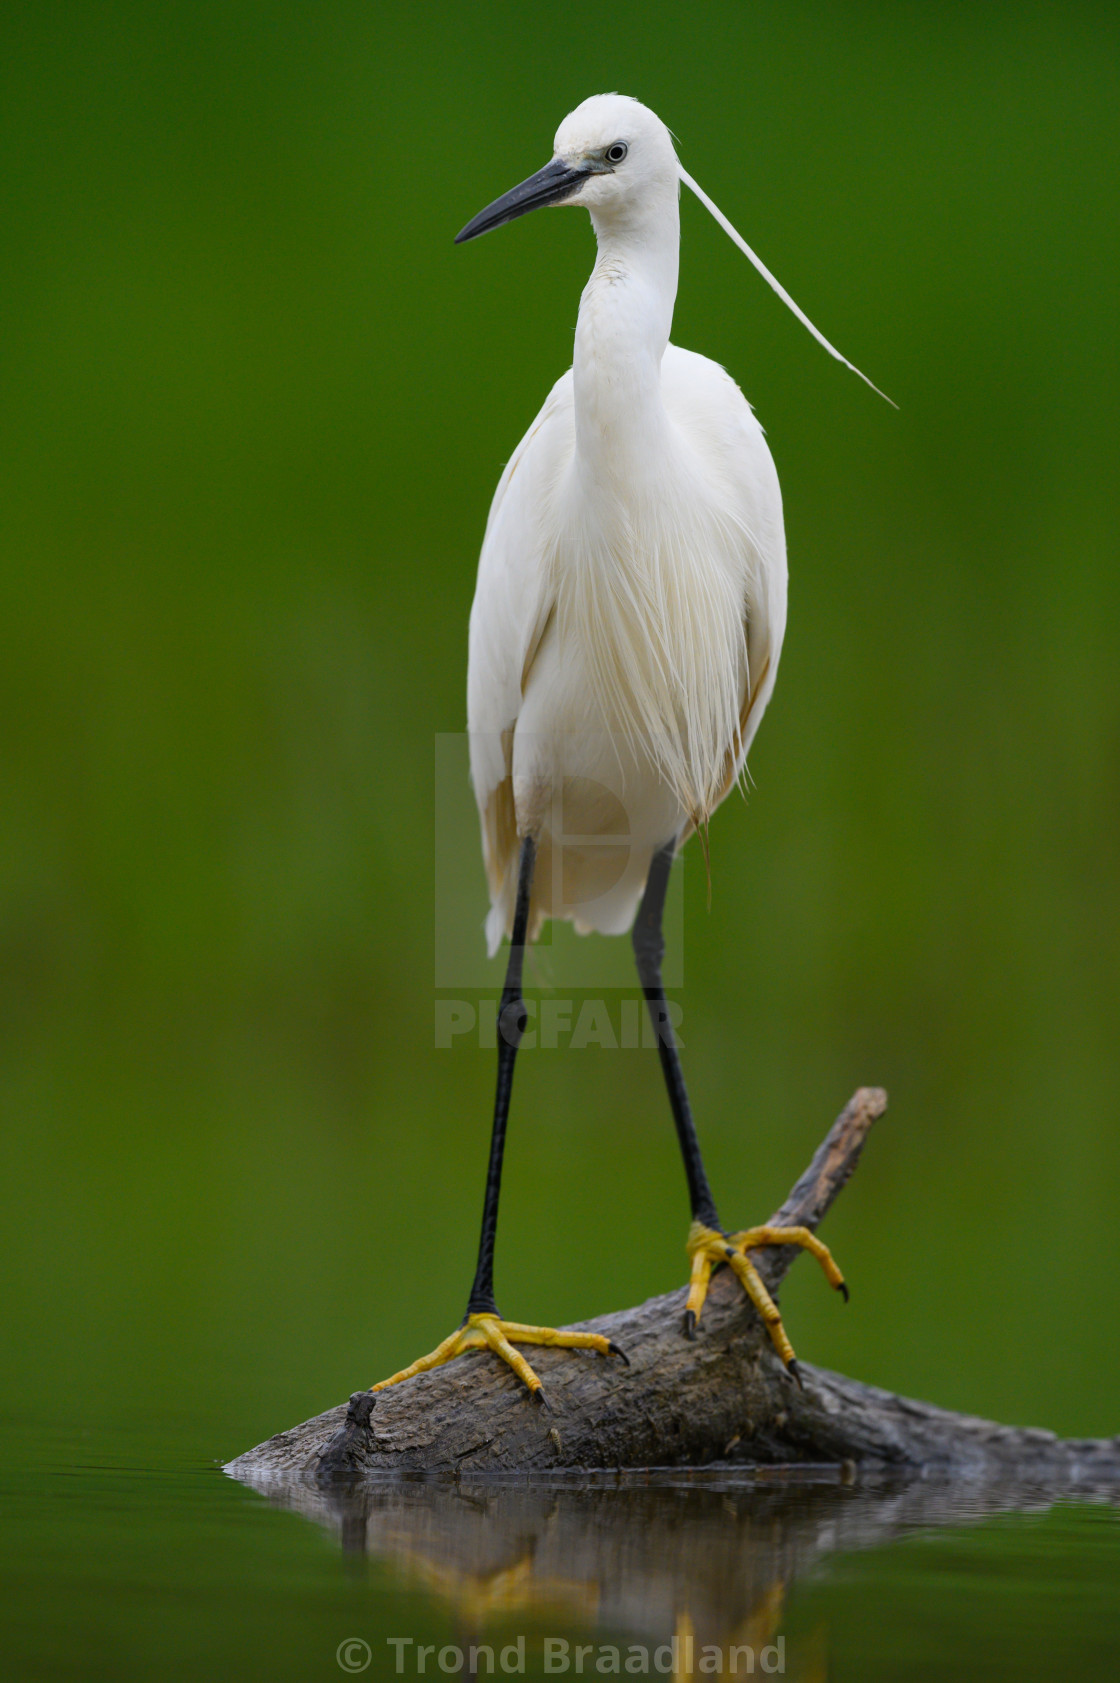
x=724, y=1400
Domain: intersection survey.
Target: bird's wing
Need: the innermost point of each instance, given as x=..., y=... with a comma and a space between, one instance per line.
x=513, y=603
x=711, y=411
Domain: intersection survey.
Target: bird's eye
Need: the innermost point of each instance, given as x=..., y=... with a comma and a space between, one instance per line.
x=615, y=154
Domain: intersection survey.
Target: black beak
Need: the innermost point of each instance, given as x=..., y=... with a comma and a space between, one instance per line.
x=556, y=181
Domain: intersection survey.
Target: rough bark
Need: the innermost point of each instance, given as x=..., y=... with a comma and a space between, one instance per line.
x=725, y=1399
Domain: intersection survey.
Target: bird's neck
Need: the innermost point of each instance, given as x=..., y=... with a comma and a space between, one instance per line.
x=625, y=317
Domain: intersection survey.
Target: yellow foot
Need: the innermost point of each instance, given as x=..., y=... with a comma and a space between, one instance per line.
x=490, y=1332
x=708, y=1248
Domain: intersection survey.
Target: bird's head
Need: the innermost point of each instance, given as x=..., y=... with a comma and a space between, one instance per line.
x=615, y=157
x=611, y=154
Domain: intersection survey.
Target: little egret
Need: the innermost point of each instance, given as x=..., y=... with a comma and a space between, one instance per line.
x=624, y=643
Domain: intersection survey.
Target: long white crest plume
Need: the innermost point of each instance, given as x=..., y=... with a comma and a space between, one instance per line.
x=777, y=285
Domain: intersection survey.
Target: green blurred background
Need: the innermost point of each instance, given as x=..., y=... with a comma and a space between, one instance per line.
x=254, y=405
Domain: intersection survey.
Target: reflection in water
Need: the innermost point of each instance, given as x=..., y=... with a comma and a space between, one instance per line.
x=703, y=1556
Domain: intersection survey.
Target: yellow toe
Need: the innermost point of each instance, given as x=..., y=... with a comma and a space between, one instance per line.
x=490, y=1332
x=707, y=1248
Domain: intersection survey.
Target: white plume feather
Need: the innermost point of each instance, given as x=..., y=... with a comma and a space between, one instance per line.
x=771, y=280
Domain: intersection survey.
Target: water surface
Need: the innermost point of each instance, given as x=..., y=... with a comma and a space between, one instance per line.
x=130, y=1556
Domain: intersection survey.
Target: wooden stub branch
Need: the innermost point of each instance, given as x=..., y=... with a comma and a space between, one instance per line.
x=725, y=1398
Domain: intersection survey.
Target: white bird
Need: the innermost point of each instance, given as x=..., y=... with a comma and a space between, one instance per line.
x=624, y=643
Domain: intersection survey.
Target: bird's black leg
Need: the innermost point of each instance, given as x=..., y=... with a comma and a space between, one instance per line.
x=511, y=1026
x=649, y=949
x=482, y=1328
x=708, y=1245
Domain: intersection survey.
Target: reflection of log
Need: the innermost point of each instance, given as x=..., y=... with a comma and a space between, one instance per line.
x=642, y=1558
x=725, y=1397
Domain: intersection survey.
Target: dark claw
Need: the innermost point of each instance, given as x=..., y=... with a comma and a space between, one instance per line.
x=729, y=1250
x=542, y=1401
x=689, y=1324
x=794, y=1368
x=842, y=1287
x=613, y=1350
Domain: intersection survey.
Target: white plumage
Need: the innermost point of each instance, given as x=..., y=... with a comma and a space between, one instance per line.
x=624, y=643
x=631, y=596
